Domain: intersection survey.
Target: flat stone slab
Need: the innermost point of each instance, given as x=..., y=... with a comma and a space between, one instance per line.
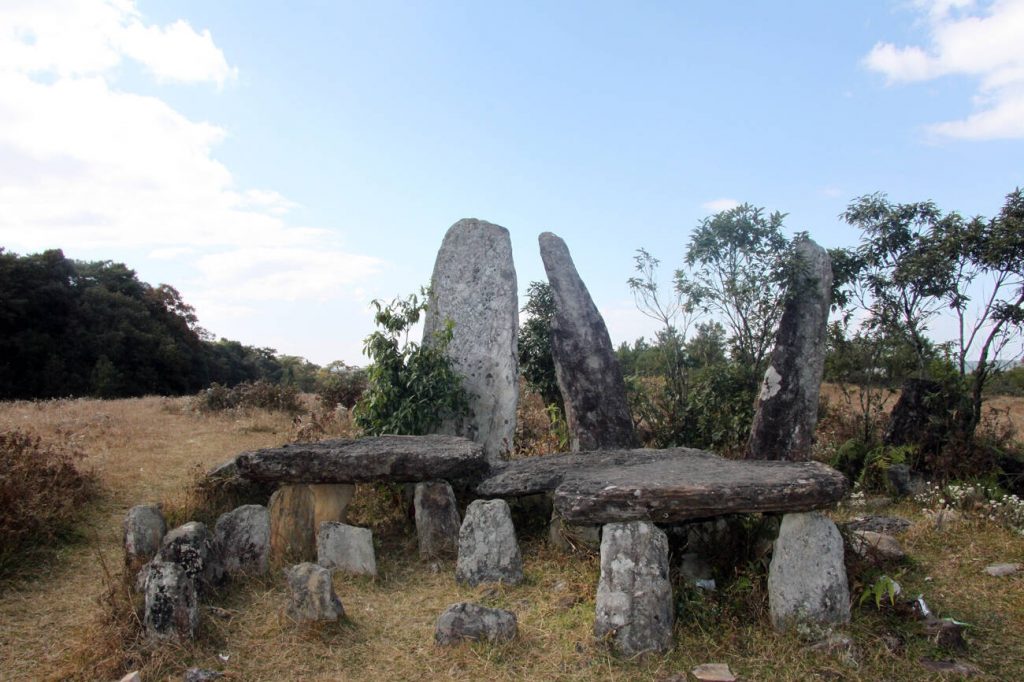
x=400, y=459
x=666, y=486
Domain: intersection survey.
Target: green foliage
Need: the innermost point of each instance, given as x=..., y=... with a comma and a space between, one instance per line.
x=1009, y=382
x=412, y=388
x=884, y=588
x=339, y=384
x=535, y=360
x=874, y=475
x=248, y=395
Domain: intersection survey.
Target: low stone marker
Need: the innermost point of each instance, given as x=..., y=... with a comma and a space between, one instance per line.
x=312, y=597
x=191, y=546
x=466, y=621
x=171, y=603
x=242, y=538
x=474, y=285
x=437, y=520
x=868, y=543
x=586, y=367
x=488, y=550
x=144, y=530
x=346, y=548
x=634, y=596
x=807, y=577
x=787, y=406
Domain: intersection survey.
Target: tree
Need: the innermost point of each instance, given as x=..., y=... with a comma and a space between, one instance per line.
x=536, y=363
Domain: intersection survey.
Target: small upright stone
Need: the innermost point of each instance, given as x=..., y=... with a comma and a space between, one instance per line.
x=437, y=520
x=312, y=597
x=634, y=596
x=292, y=535
x=144, y=530
x=488, y=550
x=787, y=406
x=807, y=577
x=346, y=548
x=587, y=370
x=191, y=546
x=474, y=286
x=464, y=621
x=243, y=540
x=171, y=606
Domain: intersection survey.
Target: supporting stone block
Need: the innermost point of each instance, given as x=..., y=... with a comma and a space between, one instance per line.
x=437, y=520
x=488, y=550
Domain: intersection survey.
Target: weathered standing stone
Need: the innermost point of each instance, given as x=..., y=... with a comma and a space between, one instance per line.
x=312, y=596
x=172, y=606
x=471, y=621
x=634, y=596
x=144, y=530
x=437, y=519
x=330, y=502
x=474, y=286
x=787, y=406
x=586, y=367
x=292, y=535
x=191, y=546
x=807, y=577
x=346, y=548
x=488, y=550
x=243, y=539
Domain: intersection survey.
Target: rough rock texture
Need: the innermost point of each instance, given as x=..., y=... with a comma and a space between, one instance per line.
x=330, y=502
x=383, y=458
x=346, y=548
x=172, y=606
x=312, y=596
x=634, y=596
x=133, y=676
x=144, y=530
x=464, y=621
x=880, y=524
x=898, y=477
x=243, y=540
x=437, y=520
x=1002, y=570
x=488, y=550
x=807, y=577
x=201, y=675
x=474, y=286
x=787, y=406
x=292, y=536
x=587, y=370
x=868, y=543
x=191, y=546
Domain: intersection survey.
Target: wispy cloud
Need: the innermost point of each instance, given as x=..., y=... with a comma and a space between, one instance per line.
x=966, y=38
x=719, y=205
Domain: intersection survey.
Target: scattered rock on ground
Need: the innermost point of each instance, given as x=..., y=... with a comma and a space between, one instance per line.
x=144, y=530
x=868, y=543
x=243, y=540
x=437, y=520
x=947, y=633
x=464, y=621
x=171, y=603
x=488, y=549
x=634, y=597
x=191, y=546
x=132, y=677
x=713, y=672
x=955, y=667
x=346, y=548
x=312, y=596
x=807, y=577
x=890, y=525
x=201, y=675
x=1002, y=570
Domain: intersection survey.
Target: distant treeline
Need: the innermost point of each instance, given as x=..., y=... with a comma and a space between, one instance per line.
x=78, y=328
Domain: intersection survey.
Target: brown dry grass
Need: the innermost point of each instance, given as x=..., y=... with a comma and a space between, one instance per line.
x=144, y=450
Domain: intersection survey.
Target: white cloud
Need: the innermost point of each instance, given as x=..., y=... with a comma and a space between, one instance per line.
x=719, y=205
x=985, y=42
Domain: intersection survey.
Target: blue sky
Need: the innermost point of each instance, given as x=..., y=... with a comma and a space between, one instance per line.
x=282, y=164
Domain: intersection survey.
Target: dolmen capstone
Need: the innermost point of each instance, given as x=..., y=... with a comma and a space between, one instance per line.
x=474, y=287
x=587, y=370
x=488, y=549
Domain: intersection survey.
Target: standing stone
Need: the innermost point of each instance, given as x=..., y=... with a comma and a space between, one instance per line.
x=292, y=535
x=243, y=540
x=464, y=621
x=587, y=370
x=172, y=607
x=474, y=286
x=346, y=548
x=488, y=550
x=807, y=577
x=191, y=546
x=144, y=530
x=330, y=502
x=312, y=597
x=634, y=596
x=787, y=406
x=437, y=520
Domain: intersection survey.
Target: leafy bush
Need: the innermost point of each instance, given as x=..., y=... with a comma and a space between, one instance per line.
x=41, y=492
x=256, y=395
x=339, y=384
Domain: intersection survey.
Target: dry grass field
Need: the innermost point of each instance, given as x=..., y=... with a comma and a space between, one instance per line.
x=55, y=613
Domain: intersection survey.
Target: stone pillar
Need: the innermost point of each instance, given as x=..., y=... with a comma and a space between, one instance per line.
x=787, y=406
x=144, y=530
x=488, y=549
x=437, y=520
x=634, y=596
x=171, y=606
x=292, y=535
x=807, y=577
x=588, y=372
x=474, y=286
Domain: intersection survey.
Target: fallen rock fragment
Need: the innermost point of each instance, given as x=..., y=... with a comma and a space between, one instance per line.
x=713, y=672
x=1002, y=570
x=312, y=597
x=133, y=676
x=201, y=675
x=467, y=621
x=890, y=525
x=955, y=667
x=869, y=544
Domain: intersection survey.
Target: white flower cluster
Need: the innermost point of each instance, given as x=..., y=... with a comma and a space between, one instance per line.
x=991, y=503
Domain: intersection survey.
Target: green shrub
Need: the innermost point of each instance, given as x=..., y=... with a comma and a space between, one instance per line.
x=340, y=385
x=256, y=395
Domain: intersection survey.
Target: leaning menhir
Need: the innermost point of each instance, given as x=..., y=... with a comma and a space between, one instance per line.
x=588, y=372
x=474, y=286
